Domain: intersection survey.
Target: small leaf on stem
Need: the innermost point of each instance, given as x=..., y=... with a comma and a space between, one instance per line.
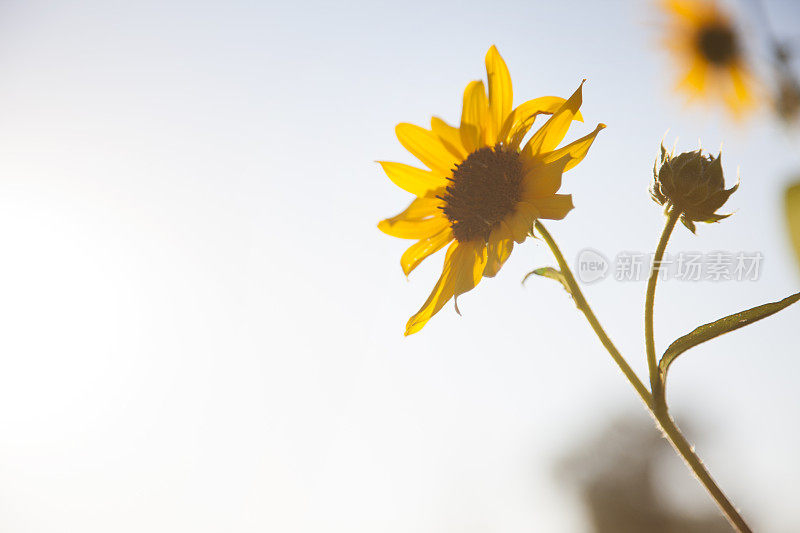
x=549, y=272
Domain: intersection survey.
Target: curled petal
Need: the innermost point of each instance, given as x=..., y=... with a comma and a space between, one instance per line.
x=517, y=124
x=552, y=133
x=574, y=151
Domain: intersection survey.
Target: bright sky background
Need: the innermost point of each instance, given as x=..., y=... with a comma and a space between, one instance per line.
x=202, y=326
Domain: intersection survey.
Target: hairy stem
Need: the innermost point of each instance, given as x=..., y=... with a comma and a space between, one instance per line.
x=652, y=363
x=657, y=408
x=583, y=305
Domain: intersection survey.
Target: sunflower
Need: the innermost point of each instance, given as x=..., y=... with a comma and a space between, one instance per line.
x=705, y=40
x=482, y=191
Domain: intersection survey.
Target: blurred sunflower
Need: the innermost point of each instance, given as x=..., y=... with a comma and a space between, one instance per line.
x=482, y=192
x=708, y=45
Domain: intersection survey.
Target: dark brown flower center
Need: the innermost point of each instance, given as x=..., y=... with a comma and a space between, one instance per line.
x=484, y=189
x=718, y=44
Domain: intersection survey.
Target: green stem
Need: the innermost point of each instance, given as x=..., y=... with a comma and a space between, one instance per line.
x=652, y=363
x=583, y=305
x=686, y=451
x=657, y=408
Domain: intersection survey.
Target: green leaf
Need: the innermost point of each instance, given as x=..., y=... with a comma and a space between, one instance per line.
x=730, y=323
x=793, y=216
x=548, y=272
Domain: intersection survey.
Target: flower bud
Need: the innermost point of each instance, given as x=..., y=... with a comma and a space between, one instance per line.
x=692, y=184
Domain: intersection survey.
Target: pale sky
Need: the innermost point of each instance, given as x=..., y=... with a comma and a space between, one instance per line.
x=202, y=327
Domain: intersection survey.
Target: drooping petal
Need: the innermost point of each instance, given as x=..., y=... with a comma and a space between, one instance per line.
x=471, y=267
x=427, y=147
x=420, y=219
x=554, y=207
x=473, y=116
x=552, y=133
x=499, y=248
x=574, y=151
x=418, y=251
x=412, y=179
x=450, y=137
x=517, y=124
x=521, y=221
x=501, y=94
x=458, y=258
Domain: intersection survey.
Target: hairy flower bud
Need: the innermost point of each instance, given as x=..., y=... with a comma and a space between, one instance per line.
x=692, y=184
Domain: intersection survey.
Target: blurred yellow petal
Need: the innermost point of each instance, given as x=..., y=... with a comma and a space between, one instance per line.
x=473, y=116
x=499, y=248
x=552, y=133
x=418, y=251
x=697, y=76
x=450, y=137
x=517, y=124
x=554, y=207
x=501, y=94
x=427, y=147
x=412, y=179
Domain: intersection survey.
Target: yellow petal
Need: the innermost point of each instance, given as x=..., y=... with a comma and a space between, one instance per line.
x=420, y=219
x=418, y=251
x=552, y=133
x=521, y=221
x=412, y=179
x=739, y=98
x=689, y=11
x=427, y=147
x=555, y=207
x=517, y=124
x=574, y=151
x=470, y=268
x=473, y=116
x=501, y=94
x=450, y=137
x=441, y=294
x=541, y=180
x=697, y=76
x=501, y=243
